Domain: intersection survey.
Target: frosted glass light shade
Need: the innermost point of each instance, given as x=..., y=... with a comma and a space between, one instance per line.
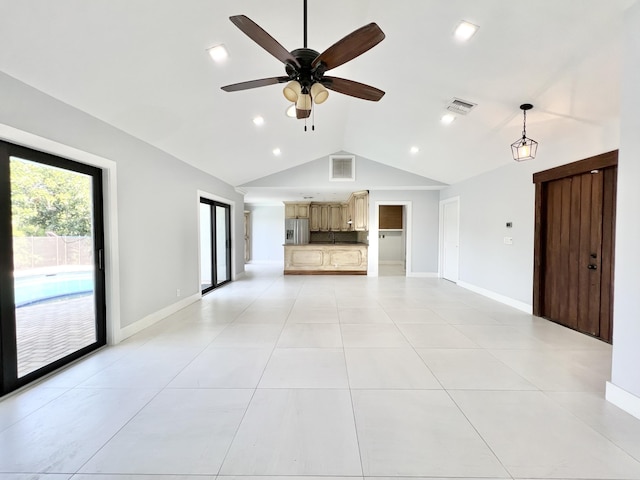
x=304, y=102
x=319, y=94
x=292, y=90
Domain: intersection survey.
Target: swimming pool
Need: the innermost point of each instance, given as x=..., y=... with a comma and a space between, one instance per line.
x=41, y=288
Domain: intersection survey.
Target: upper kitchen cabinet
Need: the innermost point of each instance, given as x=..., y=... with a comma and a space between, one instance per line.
x=335, y=217
x=296, y=210
x=360, y=209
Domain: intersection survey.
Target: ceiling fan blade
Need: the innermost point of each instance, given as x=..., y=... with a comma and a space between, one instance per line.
x=302, y=113
x=351, y=46
x=256, y=33
x=263, y=82
x=354, y=89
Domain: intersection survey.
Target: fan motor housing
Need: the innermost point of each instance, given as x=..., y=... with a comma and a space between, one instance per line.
x=305, y=75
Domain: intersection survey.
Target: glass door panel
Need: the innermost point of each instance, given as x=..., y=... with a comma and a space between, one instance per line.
x=223, y=270
x=53, y=263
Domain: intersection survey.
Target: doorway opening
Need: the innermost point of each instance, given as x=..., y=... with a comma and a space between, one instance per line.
x=574, y=244
x=392, y=240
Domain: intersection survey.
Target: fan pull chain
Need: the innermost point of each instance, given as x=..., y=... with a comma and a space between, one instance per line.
x=313, y=119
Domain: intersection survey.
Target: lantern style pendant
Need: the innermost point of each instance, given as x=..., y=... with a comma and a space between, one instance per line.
x=524, y=148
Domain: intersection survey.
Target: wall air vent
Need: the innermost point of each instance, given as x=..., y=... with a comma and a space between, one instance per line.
x=461, y=107
x=342, y=168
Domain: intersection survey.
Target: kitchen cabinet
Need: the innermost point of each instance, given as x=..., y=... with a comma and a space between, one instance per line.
x=335, y=217
x=296, y=210
x=318, y=259
x=345, y=226
x=314, y=217
x=390, y=217
x=360, y=211
x=324, y=218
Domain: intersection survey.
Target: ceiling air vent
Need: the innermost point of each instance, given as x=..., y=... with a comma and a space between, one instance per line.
x=342, y=168
x=461, y=107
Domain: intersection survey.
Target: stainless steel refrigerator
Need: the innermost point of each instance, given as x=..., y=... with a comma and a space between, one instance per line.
x=296, y=231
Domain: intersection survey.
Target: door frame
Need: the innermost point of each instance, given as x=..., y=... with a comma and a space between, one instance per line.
x=374, y=247
x=110, y=214
x=232, y=230
x=540, y=179
x=9, y=381
x=455, y=200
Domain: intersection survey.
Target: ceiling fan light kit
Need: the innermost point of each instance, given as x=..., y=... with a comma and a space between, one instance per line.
x=524, y=148
x=292, y=90
x=319, y=93
x=305, y=68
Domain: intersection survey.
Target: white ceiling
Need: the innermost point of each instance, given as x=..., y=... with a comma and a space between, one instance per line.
x=142, y=66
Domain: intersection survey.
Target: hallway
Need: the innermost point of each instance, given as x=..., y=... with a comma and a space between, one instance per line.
x=331, y=376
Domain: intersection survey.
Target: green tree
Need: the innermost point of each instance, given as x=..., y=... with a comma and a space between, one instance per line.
x=47, y=199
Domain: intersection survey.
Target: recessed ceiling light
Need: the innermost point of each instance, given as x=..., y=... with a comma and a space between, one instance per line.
x=277, y=152
x=291, y=111
x=258, y=120
x=447, y=118
x=414, y=150
x=218, y=53
x=465, y=30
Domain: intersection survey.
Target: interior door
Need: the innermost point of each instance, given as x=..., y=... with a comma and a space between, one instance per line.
x=52, y=295
x=450, y=239
x=574, y=259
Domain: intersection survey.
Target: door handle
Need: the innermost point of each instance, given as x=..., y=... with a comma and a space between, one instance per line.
x=591, y=266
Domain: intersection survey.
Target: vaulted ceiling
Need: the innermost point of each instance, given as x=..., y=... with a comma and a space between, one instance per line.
x=142, y=66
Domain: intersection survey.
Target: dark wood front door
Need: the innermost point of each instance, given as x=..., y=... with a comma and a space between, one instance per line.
x=575, y=219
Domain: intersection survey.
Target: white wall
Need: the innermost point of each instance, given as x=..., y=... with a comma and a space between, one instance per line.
x=423, y=229
x=369, y=176
x=507, y=194
x=624, y=389
x=391, y=247
x=267, y=233
x=487, y=203
x=157, y=216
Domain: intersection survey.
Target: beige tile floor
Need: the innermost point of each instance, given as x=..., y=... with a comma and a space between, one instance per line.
x=387, y=377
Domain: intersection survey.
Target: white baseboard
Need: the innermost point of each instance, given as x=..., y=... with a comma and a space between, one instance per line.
x=623, y=399
x=155, y=317
x=525, y=307
x=390, y=262
x=266, y=262
x=422, y=274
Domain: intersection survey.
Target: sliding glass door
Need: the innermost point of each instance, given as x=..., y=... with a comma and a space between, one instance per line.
x=215, y=244
x=52, y=302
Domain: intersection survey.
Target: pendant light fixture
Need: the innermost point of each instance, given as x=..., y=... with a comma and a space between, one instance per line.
x=524, y=148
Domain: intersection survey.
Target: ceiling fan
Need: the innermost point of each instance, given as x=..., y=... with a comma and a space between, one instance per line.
x=305, y=68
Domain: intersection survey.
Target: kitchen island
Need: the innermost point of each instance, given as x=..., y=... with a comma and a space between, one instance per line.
x=326, y=258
